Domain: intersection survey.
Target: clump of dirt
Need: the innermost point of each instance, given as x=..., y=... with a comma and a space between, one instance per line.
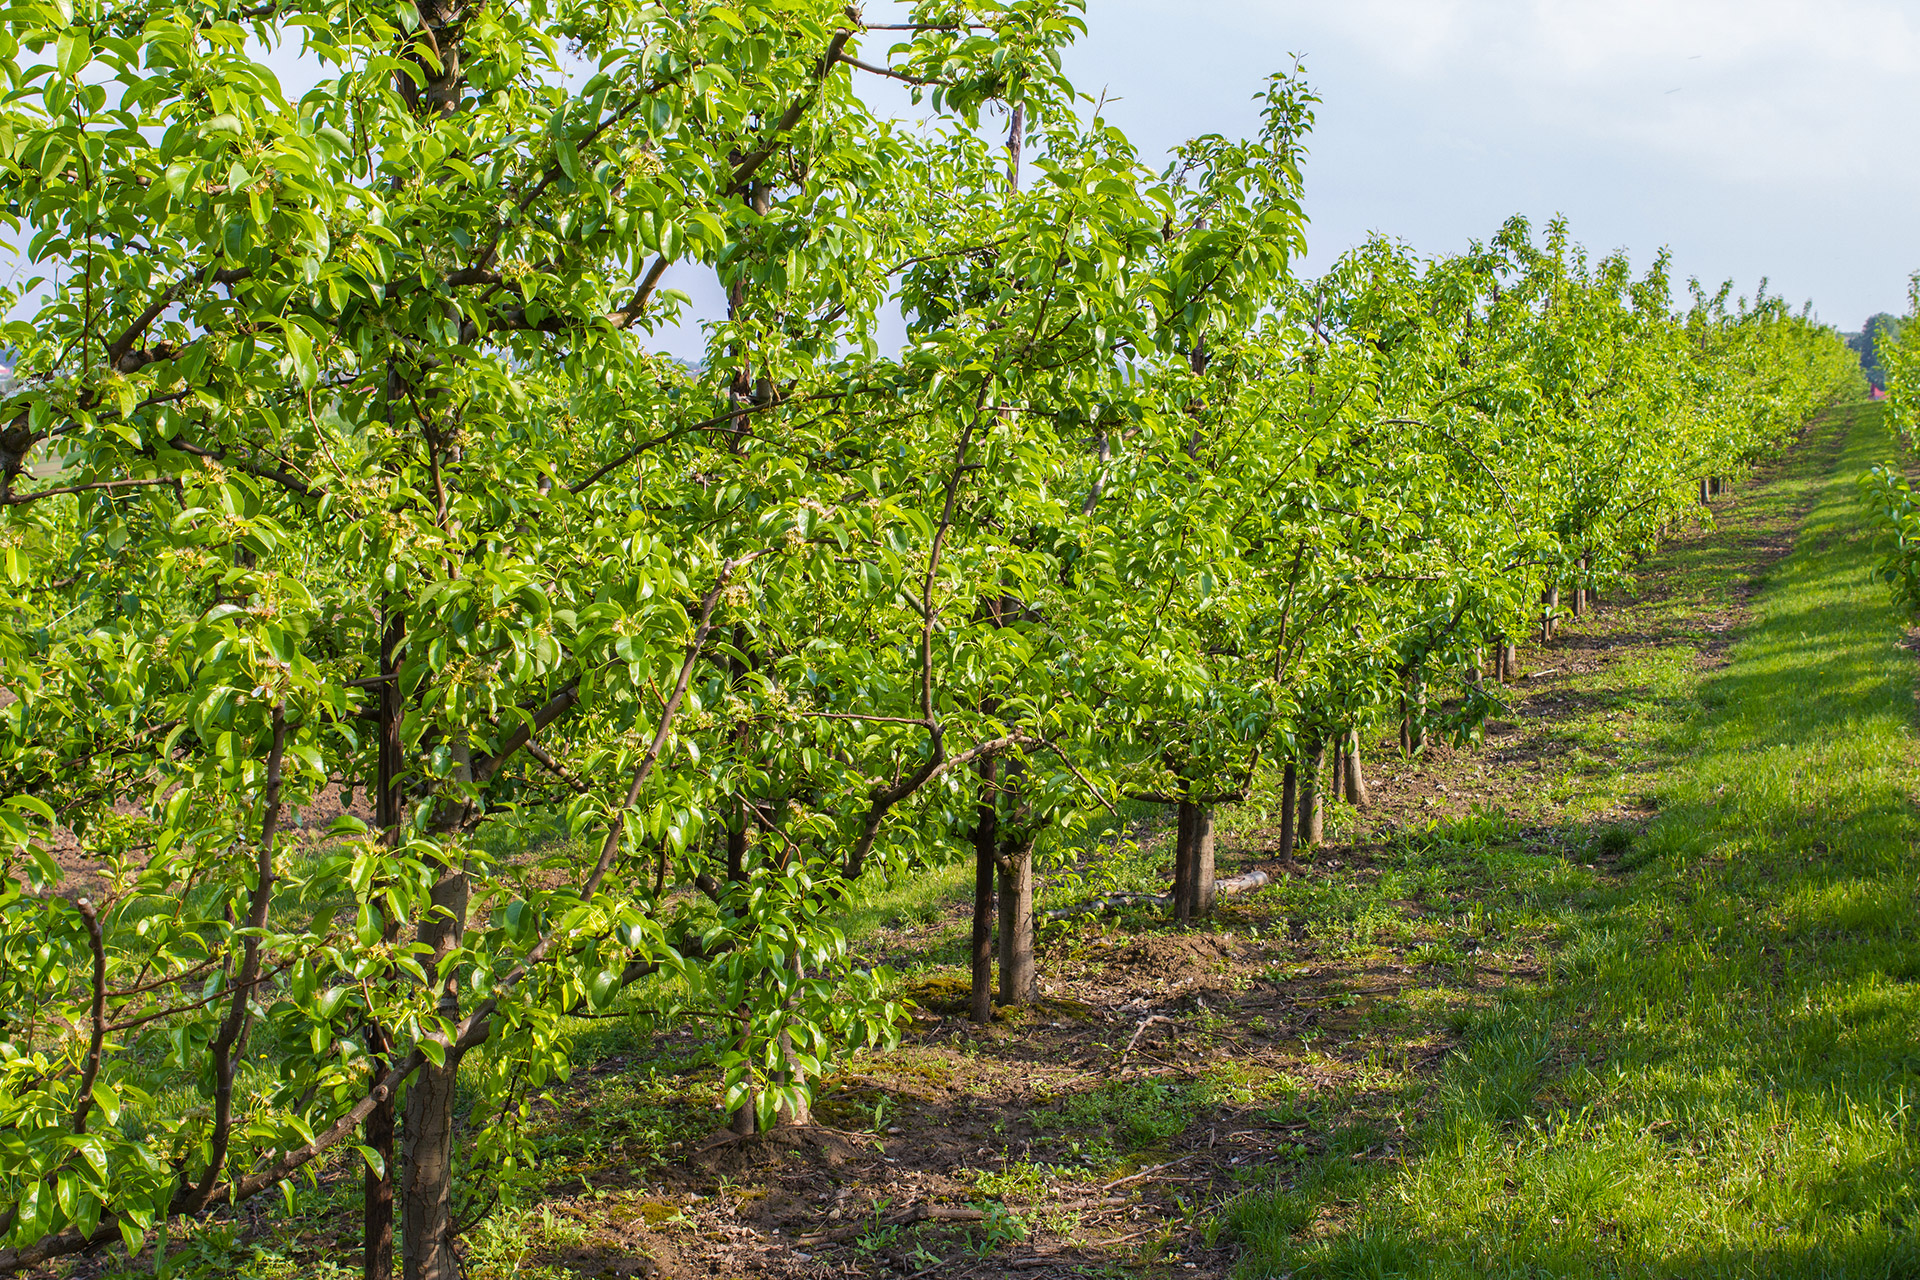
x=764, y=1153
x=947, y=994
x=1173, y=956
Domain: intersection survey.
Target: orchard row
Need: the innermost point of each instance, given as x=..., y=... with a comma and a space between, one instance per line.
x=340, y=457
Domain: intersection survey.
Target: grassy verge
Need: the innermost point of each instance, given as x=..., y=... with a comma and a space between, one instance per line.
x=1717, y=1071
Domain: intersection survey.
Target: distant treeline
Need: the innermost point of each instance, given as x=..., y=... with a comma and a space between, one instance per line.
x=1867, y=344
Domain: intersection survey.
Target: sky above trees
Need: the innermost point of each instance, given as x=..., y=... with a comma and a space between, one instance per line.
x=1748, y=135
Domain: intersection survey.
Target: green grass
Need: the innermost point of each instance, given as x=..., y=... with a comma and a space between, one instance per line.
x=1718, y=1073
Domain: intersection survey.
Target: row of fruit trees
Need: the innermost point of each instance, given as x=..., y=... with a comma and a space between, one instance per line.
x=372, y=478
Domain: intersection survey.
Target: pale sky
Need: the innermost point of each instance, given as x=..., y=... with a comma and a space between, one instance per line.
x=1775, y=138
x=1752, y=137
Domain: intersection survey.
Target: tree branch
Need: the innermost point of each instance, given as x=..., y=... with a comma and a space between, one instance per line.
x=97, y=1015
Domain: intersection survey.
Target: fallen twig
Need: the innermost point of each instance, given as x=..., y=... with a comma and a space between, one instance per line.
x=1150, y=1170
x=1145, y=1022
x=1241, y=883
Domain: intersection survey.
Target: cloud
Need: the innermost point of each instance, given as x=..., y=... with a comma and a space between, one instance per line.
x=1750, y=90
x=1754, y=137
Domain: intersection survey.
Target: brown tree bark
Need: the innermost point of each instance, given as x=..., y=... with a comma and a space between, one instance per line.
x=1413, y=710
x=427, y=1189
x=1019, y=976
x=985, y=846
x=1199, y=883
x=377, y=1131
x=1356, y=779
x=1289, y=798
x=1312, y=822
x=745, y=1120
x=376, y=1219
x=1182, y=855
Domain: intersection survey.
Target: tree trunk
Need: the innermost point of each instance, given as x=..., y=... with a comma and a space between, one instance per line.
x=746, y=1120
x=1019, y=978
x=1413, y=710
x=1182, y=862
x=1289, y=793
x=427, y=1192
x=1705, y=496
x=376, y=1234
x=376, y=1237
x=1580, y=589
x=1203, y=894
x=1312, y=787
x=985, y=845
x=1193, y=870
x=1356, y=779
x=797, y=1107
x=427, y=1246
x=1549, y=601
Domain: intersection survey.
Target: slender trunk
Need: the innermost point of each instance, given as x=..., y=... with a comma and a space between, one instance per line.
x=1413, y=710
x=427, y=1190
x=1580, y=589
x=1419, y=709
x=797, y=1105
x=1549, y=603
x=427, y=1247
x=1704, y=495
x=376, y=1235
x=1356, y=780
x=1289, y=795
x=985, y=846
x=376, y=1238
x=1182, y=862
x=1312, y=786
x=1198, y=884
x=1510, y=660
x=1019, y=977
x=746, y=1120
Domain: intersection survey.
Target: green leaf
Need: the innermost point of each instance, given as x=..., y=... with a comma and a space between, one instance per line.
x=300, y=348
x=602, y=988
x=107, y=1100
